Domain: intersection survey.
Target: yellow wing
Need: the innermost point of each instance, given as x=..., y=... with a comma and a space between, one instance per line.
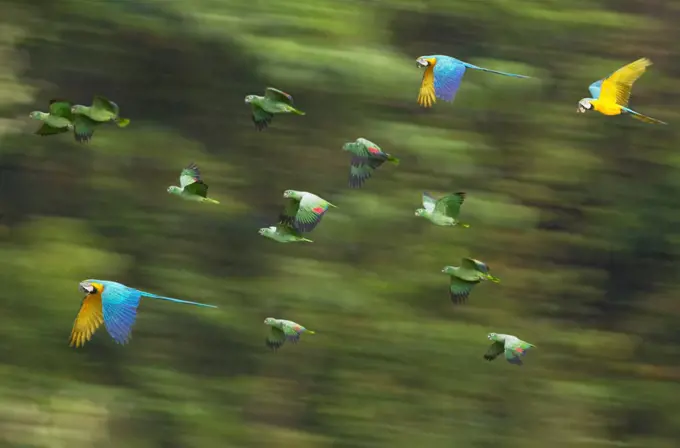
x=616, y=88
x=426, y=96
x=89, y=318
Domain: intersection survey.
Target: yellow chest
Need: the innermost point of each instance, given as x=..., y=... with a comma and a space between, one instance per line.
x=606, y=108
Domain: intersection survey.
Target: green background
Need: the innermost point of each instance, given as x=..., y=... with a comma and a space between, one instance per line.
x=577, y=214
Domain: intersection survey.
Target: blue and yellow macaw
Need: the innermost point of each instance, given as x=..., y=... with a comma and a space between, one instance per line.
x=611, y=94
x=442, y=78
x=114, y=305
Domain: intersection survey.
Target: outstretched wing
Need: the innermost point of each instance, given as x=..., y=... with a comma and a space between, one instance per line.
x=448, y=73
x=101, y=103
x=46, y=129
x=617, y=87
x=287, y=215
x=83, y=128
x=311, y=210
x=61, y=108
x=261, y=118
x=89, y=318
x=362, y=168
x=275, y=339
x=459, y=289
x=426, y=95
x=119, y=304
x=595, y=88
x=494, y=350
x=474, y=265
x=429, y=202
x=449, y=205
x=513, y=358
x=191, y=182
x=273, y=94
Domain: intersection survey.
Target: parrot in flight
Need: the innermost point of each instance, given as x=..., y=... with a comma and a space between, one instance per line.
x=366, y=158
x=303, y=211
x=192, y=187
x=114, y=305
x=442, y=78
x=443, y=211
x=101, y=111
x=465, y=277
x=282, y=331
x=59, y=119
x=283, y=233
x=513, y=347
x=610, y=95
x=273, y=102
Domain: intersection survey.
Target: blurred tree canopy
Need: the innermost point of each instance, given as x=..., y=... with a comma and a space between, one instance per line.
x=576, y=214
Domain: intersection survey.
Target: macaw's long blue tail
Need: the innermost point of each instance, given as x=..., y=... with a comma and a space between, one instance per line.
x=494, y=71
x=170, y=299
x=643, y=118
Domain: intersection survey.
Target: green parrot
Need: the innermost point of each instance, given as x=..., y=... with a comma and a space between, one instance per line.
x=192, y=186
x=443, y=211
x=102, y=110
x=282, y=331
x=283, y=234
x=273, y=102
x=513, y=347
x=59, y=118
x=466, y=276
x=303, y=211
x=366, y=158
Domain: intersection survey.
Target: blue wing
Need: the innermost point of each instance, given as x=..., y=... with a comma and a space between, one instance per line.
x=595, y=89
x=119, y=304
x=448, y=73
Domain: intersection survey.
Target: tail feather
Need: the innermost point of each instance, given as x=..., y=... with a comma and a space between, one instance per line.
x=392, y=159
x=211, y=201
x=306, y=240
x=122, y=122
x=170, y=299
x=296, y=112
x=646, y=119
x=310, y=332
x=495, y=71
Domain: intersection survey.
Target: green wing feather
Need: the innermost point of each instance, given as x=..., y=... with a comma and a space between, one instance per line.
x=273, y=94
x=290, y=211
x=61, y=108
x=46, y=129
x=83, y=128
x=101, y=103
x=261, y=117
x=449, y=205
x=494, y=350
x=470, y=264
x=311, y=210
x=275, y=339
x=362, y=168
x=460, y=289
x=191, y=182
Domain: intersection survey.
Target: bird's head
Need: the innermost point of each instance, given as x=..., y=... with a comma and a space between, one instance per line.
x=420, y=212
x=173, y=189
x=584, y=105
x=288, y=194
x=347, y=146
x=266, y=230
x=249, y=98
x=270, y=321
x=77, y=109
x=36, y=115
x=448, y=270
x=491, y=336
x=87, y=288
x=426, y=61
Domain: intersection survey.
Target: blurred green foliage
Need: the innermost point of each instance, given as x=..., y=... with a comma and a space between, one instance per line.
x=576, y=214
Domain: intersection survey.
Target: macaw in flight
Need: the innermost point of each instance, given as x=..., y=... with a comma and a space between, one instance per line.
x=114, y=305
x=442, y=78
x=611, y=94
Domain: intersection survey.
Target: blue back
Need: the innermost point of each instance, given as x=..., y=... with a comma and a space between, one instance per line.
x=448, y=73
x=119, y=306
